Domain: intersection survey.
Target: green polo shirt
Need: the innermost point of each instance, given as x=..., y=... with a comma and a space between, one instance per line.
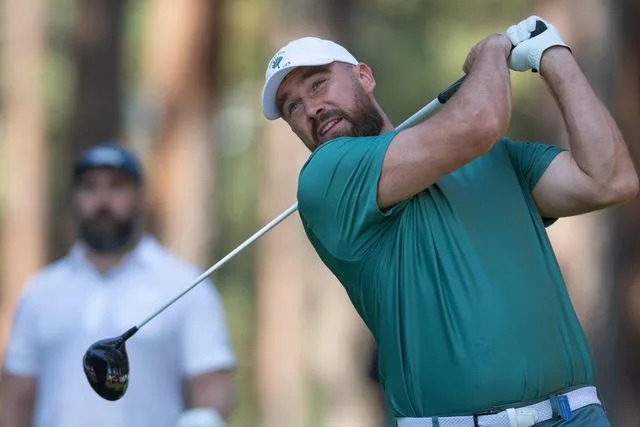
x=459, y=284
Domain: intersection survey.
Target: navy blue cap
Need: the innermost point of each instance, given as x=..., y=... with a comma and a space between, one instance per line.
x=108, y=156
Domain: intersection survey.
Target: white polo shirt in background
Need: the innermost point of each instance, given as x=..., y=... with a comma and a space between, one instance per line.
x=69, y=305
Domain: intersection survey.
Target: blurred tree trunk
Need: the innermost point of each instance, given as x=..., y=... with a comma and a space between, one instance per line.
x=178, y=78
x=96, y=41
x=280, y=272
x=624, y=352
x=310, y=340
x=97, y=53
x=23, y=150
x=280, y=287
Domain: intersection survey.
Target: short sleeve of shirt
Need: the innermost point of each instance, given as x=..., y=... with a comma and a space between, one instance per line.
x=337, y=192
x=205, y=340
x=21, y=355
x=530, y=160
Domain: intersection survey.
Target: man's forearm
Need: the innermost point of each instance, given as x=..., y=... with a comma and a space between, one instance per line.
x=17, y=400
x=211, y=390
x=595, y=141
x=488, y=84
x=14, y=416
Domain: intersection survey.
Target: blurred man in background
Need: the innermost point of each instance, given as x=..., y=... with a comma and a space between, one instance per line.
x=113, y=276
x=437, y=231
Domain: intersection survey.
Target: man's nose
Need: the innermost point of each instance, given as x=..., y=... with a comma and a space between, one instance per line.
x=104, y=195
x=314, y=108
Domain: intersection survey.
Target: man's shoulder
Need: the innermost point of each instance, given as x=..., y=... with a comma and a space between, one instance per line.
x=338, y=158
x=51, y=277
x=328, y=150
x=344, y=144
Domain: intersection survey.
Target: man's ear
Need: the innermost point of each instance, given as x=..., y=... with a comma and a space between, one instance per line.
x=365, y=76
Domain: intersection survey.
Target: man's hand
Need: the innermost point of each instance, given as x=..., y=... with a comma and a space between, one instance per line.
x=495, y=43
x=527, y=48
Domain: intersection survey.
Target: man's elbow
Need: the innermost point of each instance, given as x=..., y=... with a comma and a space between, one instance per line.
x=489, y=126
x=625, y=187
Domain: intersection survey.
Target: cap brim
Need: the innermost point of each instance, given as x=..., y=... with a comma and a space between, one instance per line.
x=269, y=106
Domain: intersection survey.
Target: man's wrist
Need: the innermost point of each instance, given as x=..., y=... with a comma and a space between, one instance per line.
x=552, y=57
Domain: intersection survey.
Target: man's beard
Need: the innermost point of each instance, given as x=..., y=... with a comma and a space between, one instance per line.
x=106, y=234
x=365, y=119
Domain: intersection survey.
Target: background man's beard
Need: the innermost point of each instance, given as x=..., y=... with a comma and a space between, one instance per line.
x=107, y=238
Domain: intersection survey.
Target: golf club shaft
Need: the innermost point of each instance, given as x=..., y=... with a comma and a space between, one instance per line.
x=420, y=115
x=220, y=263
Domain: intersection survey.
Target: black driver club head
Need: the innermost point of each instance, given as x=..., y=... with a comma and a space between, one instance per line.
x=106, y=366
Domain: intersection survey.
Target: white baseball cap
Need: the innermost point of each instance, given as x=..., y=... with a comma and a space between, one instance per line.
x=307, y=51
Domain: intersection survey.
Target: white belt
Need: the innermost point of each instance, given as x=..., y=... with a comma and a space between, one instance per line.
x=514, y=417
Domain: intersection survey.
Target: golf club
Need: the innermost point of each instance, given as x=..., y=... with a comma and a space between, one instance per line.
x=105, y=362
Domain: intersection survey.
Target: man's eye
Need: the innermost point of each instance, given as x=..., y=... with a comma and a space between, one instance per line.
x=293, y=107
x=86, y=185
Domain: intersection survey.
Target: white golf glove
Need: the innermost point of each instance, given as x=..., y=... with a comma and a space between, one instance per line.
x=529, y=44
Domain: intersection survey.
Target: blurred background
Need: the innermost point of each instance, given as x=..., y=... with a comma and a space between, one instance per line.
x=179, y=82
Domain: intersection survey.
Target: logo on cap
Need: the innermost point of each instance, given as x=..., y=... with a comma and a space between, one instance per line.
x=275, y=62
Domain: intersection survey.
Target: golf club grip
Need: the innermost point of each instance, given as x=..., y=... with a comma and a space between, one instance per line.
x=540, y=28
x=448, y=92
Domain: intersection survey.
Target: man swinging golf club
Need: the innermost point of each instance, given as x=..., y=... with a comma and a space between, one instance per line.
x=437, y=231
